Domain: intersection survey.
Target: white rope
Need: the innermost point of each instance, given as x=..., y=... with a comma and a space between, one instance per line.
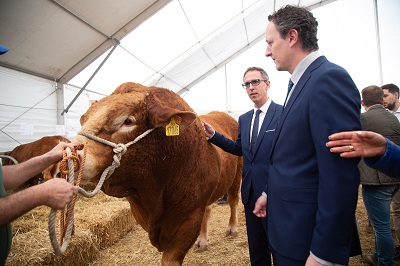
x=10, y=158
x=52, y=217
x=119, y=150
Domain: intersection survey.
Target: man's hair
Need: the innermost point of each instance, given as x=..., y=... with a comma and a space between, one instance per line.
x=391, y=88
x=264, y=74
x=372, y=95
x=300, y=19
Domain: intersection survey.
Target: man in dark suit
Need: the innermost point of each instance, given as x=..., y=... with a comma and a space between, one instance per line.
x=311, y=193
x=254, y=144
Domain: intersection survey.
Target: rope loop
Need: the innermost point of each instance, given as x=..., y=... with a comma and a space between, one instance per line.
x=63, y=164
x=67, y=217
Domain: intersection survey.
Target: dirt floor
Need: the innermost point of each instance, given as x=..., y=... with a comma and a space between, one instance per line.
x=135, y=249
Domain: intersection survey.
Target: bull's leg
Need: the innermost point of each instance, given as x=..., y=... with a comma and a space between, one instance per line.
x=233, y=219
x=202, y=240
x=233, y=200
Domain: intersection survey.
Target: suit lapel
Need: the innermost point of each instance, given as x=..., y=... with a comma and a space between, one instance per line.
x=296, y=92
x=246, y=130
x=267, y=121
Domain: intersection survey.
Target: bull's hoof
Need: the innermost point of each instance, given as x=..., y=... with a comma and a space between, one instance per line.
x=201, y=244
x=231, y=232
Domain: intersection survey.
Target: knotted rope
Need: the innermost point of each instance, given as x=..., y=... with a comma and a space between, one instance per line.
x=73, y=161
x=68, y=217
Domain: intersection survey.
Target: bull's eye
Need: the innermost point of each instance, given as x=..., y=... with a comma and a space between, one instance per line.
x=128, y=122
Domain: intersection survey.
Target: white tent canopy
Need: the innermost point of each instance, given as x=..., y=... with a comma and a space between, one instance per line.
x=57, y=39
x=198, y=49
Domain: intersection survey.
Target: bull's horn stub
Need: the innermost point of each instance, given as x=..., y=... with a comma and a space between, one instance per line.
x=172, y=129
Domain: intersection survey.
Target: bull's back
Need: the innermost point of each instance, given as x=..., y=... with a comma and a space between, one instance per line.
x=231, y=165
x=223, y=123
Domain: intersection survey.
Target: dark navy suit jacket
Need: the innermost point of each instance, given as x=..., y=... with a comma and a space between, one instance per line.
x=255, y=167
x=313, y=193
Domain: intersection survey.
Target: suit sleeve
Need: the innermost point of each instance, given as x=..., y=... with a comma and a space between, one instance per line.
x=228, y=145
x=334, y=107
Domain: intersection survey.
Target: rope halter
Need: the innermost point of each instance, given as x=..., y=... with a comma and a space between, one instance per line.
x=119, y=150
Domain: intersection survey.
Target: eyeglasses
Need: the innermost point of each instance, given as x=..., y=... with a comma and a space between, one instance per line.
x=254, y=82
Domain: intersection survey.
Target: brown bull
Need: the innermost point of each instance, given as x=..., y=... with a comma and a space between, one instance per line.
x=169, y=181
x=29, y=150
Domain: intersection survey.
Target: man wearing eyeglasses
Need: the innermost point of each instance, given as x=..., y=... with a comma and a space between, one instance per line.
x=254, y=144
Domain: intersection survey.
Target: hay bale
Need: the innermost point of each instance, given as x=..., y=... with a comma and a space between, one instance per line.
x=34, y=248
x=109, y=224
x=99, y=223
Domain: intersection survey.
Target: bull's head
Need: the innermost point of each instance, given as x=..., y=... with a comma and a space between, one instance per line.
x=120, y=118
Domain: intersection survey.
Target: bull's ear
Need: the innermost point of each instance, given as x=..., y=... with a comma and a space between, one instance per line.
x=182, y=118
x=82, y=119
x=165, y=107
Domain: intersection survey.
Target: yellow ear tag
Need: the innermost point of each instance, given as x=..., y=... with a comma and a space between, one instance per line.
x=172, y=129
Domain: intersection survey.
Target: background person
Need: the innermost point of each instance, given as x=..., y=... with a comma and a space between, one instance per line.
x=378, y=189
x=391, y=102
x=255, y=168
x=391, y=99
x=311, y=213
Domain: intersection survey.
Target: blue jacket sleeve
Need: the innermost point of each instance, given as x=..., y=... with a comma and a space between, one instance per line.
x=389, y=163
x=228, y=145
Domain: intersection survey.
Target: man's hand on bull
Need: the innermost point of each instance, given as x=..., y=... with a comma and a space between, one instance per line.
x=208, y=129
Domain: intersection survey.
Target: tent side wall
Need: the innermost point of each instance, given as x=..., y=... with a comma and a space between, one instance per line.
x=28, y=109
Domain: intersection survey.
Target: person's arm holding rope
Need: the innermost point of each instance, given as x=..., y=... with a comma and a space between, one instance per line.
x=15, y=175
x=55, y=193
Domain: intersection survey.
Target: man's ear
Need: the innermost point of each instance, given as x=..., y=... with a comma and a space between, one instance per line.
x=293, y=36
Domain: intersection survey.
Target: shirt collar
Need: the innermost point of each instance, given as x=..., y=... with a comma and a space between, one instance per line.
x=303, y=65
x=265, y=107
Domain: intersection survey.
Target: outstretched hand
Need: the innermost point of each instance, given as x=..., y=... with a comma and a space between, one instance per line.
x=357, y=144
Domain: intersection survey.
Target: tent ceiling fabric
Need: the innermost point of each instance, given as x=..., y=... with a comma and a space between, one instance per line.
x=57, y=39
x=52, y=38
